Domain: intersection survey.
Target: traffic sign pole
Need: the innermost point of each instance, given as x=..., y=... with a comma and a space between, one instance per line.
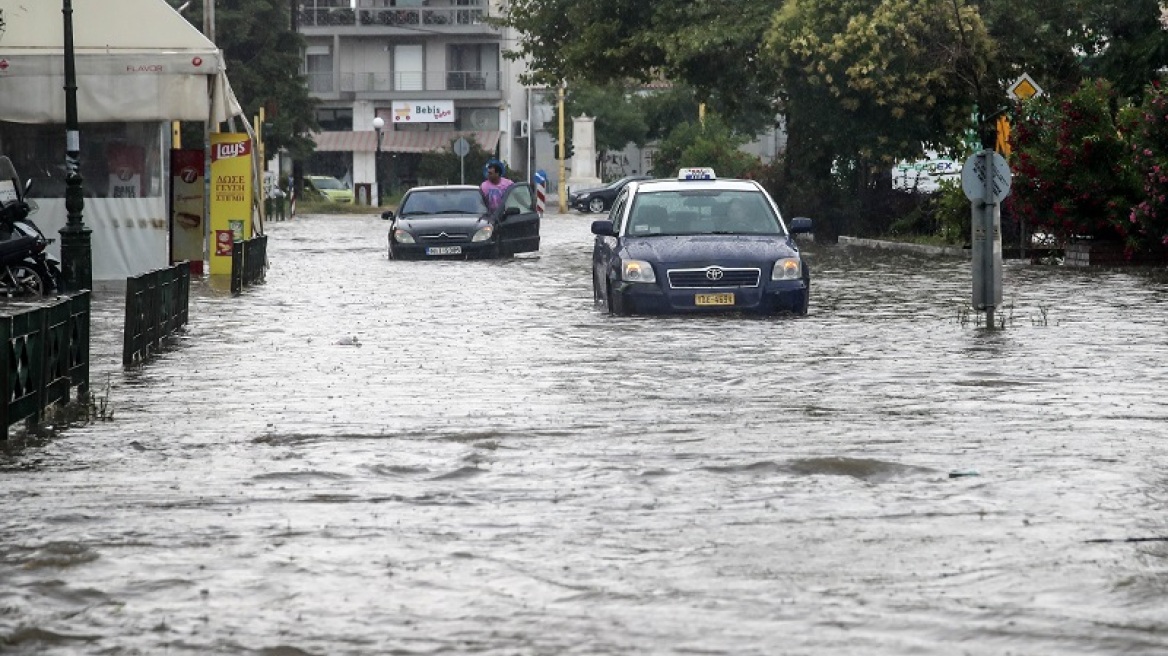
x=985, y=179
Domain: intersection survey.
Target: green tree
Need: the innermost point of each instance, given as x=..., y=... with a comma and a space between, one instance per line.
x=619, y=117
x=713, y=144
x=712, y=46
x=870, y=82
x=262, y=53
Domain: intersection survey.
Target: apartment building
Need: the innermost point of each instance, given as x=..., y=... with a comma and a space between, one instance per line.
x=431, y=70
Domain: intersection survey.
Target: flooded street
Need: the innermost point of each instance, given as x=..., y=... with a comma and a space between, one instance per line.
x=365, y=456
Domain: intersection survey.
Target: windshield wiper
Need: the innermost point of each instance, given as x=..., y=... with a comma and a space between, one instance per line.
x=416, y=213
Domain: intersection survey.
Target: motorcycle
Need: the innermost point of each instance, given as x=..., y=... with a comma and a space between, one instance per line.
x=26, y=267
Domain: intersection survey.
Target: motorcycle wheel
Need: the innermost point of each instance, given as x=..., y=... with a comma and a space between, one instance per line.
x=22, y=280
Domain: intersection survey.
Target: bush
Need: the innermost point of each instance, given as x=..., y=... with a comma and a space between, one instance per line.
x=1148, y=130
x=713, y=144
x=1073, y=171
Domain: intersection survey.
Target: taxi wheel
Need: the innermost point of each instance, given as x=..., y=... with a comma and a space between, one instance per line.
x=596, y=205
x=616, y=304
x=596, y=297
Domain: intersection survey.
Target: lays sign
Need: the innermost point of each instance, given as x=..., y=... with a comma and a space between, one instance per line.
x=228, y=150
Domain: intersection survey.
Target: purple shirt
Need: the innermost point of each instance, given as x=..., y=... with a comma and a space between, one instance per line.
x=494, y=192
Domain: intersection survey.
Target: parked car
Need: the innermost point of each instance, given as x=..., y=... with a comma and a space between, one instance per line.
x=600, y=199
x=328, y=188
x=452, y=221
x=699, y=244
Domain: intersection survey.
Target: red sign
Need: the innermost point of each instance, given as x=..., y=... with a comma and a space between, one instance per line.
x=223, y=242
x=229, y=150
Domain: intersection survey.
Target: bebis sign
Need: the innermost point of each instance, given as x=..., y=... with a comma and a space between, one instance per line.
x=229, y=150
x=436, y=111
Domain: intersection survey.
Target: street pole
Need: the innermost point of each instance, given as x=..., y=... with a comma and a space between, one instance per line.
x=76, y=249
x=378, y=124
x=563, y=183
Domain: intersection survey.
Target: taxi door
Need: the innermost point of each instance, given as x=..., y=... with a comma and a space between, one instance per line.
x=518, y=222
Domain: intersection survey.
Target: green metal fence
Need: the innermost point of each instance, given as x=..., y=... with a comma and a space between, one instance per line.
x=45, y=352
x=157, y=305
x=249, y=263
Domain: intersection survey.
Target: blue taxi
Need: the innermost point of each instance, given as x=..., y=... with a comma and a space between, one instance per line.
x=699, y=244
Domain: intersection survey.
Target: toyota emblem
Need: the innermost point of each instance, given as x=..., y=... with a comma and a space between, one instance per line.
x=714, y=273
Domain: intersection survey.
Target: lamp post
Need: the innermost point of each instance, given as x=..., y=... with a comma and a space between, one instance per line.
x=76, y=249
x=378, y=123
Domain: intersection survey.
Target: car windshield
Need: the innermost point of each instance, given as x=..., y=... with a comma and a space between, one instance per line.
x=327, y=183
x=702, y=212
x=443, y=201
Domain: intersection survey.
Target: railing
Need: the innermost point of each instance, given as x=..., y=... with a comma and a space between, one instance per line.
x=249, y=263
x=407, y=81
x=319, y=16
x=45, y=353
x=157, y=305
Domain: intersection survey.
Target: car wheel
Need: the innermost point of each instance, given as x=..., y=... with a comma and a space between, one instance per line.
x=596, y=205
x=616, y=304
x=802, y=311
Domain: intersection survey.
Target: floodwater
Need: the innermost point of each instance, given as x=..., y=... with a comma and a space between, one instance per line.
x=373, y=457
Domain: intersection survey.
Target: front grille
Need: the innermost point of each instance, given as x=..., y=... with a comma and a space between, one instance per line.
x=443, y=238
x=708, y=278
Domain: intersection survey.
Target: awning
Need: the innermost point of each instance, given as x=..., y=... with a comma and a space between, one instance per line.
x=406, y=141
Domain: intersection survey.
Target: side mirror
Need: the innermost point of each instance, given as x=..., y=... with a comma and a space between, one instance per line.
x=387, y=215
x=603, y=228
x=509, y=211
x=800, y=225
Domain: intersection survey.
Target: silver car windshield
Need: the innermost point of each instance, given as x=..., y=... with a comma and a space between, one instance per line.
x=445, y=201
x=702, y=212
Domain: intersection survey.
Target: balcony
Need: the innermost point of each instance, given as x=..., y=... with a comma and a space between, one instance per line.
x=460, y=19
x=461, y=84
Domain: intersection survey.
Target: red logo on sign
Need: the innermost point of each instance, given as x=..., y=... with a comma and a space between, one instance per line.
x=189, y=174
x=3, y=64
x=197, y=61
x=229, y=150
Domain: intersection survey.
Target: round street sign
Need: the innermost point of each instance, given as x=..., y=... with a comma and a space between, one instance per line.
x=973, y=177
x=461, y=147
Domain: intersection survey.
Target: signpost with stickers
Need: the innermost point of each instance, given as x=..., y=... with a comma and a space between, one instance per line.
x=985, y=179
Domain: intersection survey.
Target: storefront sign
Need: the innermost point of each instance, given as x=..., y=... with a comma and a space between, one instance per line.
x=433, y=111
x=187, y=203
x=231, y=195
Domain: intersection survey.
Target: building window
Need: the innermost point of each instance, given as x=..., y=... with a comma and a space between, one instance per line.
x=335, y=120
x=472, y=66
x=408, y=71
x=318, y=69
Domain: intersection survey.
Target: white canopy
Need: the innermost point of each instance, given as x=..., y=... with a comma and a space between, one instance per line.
x=136, y=60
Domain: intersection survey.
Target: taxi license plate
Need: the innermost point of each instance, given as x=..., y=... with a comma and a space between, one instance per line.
x=444, y=250
x=713, y=299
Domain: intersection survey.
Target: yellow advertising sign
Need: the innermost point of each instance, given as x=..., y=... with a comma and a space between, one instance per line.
x=231, y=196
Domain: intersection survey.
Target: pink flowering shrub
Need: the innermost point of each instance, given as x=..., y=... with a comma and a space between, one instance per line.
x=1073, y=171
x=1147, y=130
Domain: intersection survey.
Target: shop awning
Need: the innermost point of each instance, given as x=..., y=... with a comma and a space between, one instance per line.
x=406, y=141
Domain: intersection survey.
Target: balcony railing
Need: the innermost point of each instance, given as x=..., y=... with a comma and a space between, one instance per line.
x=317, y=16
x=406, y=81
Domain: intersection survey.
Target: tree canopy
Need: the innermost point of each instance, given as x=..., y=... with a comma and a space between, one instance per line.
x=263, y=55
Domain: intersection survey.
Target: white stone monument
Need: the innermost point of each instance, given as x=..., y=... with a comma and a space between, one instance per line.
x=584, y=158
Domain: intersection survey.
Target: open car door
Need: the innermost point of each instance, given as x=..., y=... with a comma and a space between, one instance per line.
x=518, y=222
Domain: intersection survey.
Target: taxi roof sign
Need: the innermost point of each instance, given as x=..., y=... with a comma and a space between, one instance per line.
x=697, y=173
x=1024, y=88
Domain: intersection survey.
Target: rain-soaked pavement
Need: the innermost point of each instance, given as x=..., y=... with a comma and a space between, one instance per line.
x=373, y=457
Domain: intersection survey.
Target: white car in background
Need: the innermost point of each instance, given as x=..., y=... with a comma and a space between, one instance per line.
x=925, y=176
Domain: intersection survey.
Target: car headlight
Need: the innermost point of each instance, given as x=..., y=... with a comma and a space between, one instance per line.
x=788, y=268
x=637, y=271
x=483, y=234
x=402, y=237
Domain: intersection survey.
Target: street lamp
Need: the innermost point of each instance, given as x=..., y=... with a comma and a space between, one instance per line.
x=378, y=123
x=76, y=249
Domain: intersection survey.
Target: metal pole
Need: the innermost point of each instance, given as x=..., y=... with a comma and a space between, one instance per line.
x=76, y=248
x=377, y=167
x=987, y=260
x=563, y=194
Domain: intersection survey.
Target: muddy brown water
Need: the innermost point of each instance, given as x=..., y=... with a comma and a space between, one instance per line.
x=364, y=456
